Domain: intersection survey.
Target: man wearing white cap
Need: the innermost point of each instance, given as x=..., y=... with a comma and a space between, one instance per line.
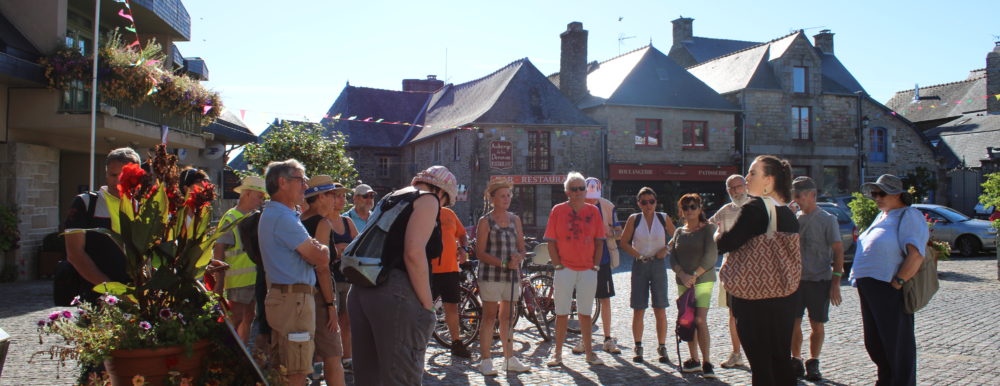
x=241, y=276
x=364, y=201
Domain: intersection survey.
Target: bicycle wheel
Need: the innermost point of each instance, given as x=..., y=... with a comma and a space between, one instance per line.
x=542, y=284
x=515, y=316
x=573, y=325
x=535, y=312
x=469, y=311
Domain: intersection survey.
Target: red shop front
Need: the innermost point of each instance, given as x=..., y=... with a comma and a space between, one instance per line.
x=670, y=183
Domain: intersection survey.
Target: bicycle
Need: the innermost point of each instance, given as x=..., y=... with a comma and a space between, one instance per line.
x=470, y=310
x=544, y=279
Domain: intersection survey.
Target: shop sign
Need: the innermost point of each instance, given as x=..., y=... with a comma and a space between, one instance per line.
x=501, y=155
x=530, y=179
x=623, y=172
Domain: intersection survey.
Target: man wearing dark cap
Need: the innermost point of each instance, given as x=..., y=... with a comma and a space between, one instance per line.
x=822, y=269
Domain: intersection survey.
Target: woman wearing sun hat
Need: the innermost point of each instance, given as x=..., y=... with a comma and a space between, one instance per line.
x=392, y=322
x=321, y=197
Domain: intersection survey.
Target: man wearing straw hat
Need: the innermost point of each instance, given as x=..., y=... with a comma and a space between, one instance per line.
x=241, y=276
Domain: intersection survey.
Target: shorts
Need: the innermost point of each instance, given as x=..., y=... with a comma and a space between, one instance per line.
x=649, y=278
x=328, y=344
x=495, y=291
x=605, y=284
x=447, y=286
x=242, y=295
x=565, y=281
x=702, y=293
x=815, y=296
x=342, y=289
x=288, y=313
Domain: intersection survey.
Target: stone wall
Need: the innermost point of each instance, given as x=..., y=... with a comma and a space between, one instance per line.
x=29, y=178
x=366, y=162
x=905, y=149
x=622, y=148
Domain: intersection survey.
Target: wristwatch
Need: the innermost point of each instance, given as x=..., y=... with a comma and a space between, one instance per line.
x=558, y=267
x=596, y=268
x=898, y=280
x=330, y=304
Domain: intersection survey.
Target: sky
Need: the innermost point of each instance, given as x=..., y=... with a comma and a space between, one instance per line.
x=291, y=60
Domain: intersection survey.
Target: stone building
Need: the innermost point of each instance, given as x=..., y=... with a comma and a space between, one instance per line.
x=801, y=103
x=512, y=124
x=45, y=133
x=666, y=128
x=962, y=119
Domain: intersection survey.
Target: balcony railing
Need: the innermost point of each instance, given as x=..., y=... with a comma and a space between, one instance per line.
x=76, y=100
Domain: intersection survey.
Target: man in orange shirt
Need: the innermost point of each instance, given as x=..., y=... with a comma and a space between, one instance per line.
x=445, y=276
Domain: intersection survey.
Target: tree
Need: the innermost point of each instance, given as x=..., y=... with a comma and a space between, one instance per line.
x=991, y=194
x=321, y=153
x=921, y=181
x=863, y=211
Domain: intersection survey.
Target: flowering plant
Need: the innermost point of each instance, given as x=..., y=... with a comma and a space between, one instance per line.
x=167, y=241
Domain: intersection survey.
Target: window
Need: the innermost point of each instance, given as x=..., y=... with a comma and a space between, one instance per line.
x=383, y=166
x=801, y=122
x=523, y=203
x=437, y=151
x=454, y=148
x=75, y=98
x=695, y=134
x=877, y=151
x=647, y=133
x=834, y=180
x=800, y=171
x=539, y=152
x=799, y=76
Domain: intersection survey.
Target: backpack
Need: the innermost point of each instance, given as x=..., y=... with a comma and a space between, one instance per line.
x=362, y=262
x=659, y=216
x=67, y=282
x=919, y=290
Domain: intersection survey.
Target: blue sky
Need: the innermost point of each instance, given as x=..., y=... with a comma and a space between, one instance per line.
x=292, y=59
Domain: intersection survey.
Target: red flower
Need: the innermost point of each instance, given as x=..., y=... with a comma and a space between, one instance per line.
x=200, y=196
x=130, y=179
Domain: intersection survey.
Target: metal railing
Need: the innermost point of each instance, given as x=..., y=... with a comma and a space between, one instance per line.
x=75, y=102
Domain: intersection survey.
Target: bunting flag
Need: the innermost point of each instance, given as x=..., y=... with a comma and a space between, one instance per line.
x=128, y=16
x=243, y=115
x=205, y=109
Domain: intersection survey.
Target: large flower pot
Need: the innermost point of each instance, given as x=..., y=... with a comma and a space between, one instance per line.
x=154, y=364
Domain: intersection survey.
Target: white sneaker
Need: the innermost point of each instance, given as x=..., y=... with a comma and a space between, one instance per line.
x=735, y=359
x=515, y=366
x=611, y=346
x=595, y=360
x=578, y=349
x=486, y=367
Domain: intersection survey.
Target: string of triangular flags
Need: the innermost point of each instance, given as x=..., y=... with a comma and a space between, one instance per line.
x=922, y=104
x=126, y=13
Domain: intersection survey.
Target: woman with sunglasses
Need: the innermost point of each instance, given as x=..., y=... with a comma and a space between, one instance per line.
x=693, y=262
x=645, y=237
x=891, y=252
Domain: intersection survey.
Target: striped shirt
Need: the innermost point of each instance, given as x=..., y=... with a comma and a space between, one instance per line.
x=501, y=243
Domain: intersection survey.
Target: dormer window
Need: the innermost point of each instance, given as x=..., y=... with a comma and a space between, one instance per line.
x=799, y=76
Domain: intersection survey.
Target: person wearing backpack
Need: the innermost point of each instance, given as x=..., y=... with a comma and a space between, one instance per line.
x=693, y=262
x=645, y=237
x=890, y=253
x=763, y=271
x=93, y=258
x=446, y=278
x=393, y=317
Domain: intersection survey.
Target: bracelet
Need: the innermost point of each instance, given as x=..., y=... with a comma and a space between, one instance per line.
x=558, y=266
x=838, y=274
x=330, y=304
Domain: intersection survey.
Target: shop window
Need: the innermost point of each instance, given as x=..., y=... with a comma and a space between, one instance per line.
x=647, y=132
x=695, y=134
x=523, y=204
x=834, y=180
x=539, y=151
x=878, y=145
x=801, y=123
x=799, y=76
x=800, y=171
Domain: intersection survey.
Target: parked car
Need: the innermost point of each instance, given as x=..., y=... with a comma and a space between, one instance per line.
x=848, y=230
x=840, y=201
x=964, y=233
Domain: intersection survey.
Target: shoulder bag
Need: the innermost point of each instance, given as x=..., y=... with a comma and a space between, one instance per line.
x=766, y=266
x=919, y=290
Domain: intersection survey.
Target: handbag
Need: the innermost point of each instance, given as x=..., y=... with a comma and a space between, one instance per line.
x=919, y=290
x=766, y=266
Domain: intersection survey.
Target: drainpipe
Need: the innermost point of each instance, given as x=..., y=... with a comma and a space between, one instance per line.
x=861, y=141
x=93, y=91
x=743, y=138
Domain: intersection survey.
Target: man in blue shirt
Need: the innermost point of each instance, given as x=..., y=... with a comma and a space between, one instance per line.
x=364, y=201
x=290, y=258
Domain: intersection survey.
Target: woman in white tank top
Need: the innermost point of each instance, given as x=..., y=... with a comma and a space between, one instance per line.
x=645, y=238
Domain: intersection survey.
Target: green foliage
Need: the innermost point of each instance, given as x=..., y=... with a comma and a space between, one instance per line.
x=991, y=194
x=921, y=182
x=9, y=235
x=863, y=211
x=309, y=144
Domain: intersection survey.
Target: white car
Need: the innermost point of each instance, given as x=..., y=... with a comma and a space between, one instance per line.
x=964, y=233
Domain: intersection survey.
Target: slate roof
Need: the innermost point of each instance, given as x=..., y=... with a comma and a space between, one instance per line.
x=704, y=49
x=836, y=77
x=938, y=101
x=364, y=102
x=231, y=128
x=967, y=137
x=516, y=94
x=647, y=77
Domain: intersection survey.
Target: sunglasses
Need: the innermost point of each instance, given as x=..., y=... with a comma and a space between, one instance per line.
x=577, y=188
x=878, y=194
x=369, y=195
x=647, y=202
x=689, y=207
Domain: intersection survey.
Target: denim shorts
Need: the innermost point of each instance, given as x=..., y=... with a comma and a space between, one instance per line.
x=649, y=278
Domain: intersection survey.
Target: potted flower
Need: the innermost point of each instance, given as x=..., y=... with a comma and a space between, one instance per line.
x=160, y=321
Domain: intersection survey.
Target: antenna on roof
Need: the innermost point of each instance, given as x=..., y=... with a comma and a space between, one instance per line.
x=621, y=39
x=791, y=30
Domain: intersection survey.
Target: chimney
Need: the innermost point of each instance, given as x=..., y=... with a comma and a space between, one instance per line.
x=573, y=62
x=683, y=31
x=916, y=92
x=431, y=84
x=824, y=41
x=993, y=80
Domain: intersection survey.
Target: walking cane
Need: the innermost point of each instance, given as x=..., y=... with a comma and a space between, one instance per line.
x=510, y=331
